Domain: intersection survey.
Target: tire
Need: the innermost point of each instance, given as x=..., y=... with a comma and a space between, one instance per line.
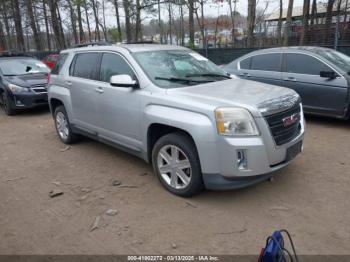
x=63, y=128
x=167, y=154
x=7, y=105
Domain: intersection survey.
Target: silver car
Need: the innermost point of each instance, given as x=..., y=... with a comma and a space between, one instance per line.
x=179, y=111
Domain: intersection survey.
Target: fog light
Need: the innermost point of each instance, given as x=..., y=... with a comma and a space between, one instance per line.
x=19, y=103
x=241, y=159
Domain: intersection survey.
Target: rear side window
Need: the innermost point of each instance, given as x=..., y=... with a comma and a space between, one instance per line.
x=245, y=64
x=304, y=64
x=84, y=65
x=61, y=60
x=266, y=62
x=113, y=64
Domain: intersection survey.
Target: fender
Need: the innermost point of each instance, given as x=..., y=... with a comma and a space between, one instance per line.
x=198, y=125
x=62, y=94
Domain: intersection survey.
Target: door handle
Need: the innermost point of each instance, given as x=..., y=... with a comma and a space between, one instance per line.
x=99, y=90
x=245, y=74
x=68, y=83
x=290, y=78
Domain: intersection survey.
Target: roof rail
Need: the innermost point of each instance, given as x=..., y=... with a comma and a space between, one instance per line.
x=101, y=43
x=142, y=42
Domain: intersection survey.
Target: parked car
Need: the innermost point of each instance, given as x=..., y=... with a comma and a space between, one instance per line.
x=179, y=111
x=319, y=75
x=50, y=60
x=22, y=83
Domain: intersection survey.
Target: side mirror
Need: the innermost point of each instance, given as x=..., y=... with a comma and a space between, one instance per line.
x=328, y=74
x=123, y=81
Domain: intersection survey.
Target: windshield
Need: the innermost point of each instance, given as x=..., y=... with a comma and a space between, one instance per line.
x=22, y=66
x=337, y=58
x=178, y=68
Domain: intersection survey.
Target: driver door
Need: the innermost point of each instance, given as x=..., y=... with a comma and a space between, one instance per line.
x=118, y=107
x=318, y=94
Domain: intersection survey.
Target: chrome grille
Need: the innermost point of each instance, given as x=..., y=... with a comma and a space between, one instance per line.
x=282, y=130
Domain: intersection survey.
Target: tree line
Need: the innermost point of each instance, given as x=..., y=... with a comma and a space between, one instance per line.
x=58, y=24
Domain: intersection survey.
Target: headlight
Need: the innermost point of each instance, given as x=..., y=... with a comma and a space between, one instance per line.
x=235, y=121
x=18, y=89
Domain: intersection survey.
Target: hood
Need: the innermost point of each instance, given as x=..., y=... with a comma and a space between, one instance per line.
x=28, y=80
x=258, y=98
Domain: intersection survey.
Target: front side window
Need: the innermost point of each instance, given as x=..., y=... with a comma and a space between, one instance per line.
x=22, y=66
x=113, y=64
x=178, y=68
x=304, y=64
x=267, y=62
x=85, y=65
x=339, y=59
x=245, y=64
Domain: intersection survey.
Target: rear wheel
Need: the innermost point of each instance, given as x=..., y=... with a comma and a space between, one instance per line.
x=176, y=163
x=7, y=105
x=63, y=127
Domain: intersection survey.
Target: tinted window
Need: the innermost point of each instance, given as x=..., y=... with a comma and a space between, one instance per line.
x=245, y=64
x=304, y=64
x=85, y=65
x=61, y=60
x=266, y=62
x=113, y=64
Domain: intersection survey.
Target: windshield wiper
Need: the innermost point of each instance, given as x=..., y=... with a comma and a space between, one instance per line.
x=186, y=80
x=209, y=74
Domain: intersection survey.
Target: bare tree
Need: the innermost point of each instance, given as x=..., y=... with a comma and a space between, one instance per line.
x=73, y=20
x=46, y=26
x=126, y=5
x=251, y=22
x=305, y=21
x=191, y=21
x=33, y=24
x=97, y=27
x=87, y=19
x=2, y=37
x=288, y=23
x=116, y=6
x=56, y=26
x=80, y=23
x=18, y=25
x=232, y=16
x=279, y=25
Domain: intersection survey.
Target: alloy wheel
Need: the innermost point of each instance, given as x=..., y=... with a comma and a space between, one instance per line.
x=174, y=166
x=62, y=125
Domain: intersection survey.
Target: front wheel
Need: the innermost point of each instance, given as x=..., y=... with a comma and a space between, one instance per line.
x=6, y=103
x=63, y=127
x=176, y=163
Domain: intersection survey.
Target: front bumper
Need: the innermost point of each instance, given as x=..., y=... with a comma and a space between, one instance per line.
x=28, y=100
x=262, y=157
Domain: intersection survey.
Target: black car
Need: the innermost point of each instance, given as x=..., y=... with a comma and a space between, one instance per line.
x=319, y=75
x=23, y=83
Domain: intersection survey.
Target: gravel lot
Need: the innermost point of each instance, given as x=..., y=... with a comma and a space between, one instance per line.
x=310, y=198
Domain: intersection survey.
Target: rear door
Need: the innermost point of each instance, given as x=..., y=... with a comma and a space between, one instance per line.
x=319, y=95
x=82, y=85
x=264, y=68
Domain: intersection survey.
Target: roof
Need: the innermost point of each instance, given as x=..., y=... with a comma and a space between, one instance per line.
x=131, y=47
x=313, y=49
x=298, y=11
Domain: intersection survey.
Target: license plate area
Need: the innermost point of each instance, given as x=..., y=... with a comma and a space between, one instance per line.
x=294, y=150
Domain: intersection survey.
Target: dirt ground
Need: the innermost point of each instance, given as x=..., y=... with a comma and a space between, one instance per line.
x=310, y=198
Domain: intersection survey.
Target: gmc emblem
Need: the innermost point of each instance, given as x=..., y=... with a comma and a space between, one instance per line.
x=290, y=120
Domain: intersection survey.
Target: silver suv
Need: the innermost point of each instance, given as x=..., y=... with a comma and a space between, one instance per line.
x=179, y=111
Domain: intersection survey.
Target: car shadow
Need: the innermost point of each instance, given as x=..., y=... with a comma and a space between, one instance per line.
x=36, y=111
